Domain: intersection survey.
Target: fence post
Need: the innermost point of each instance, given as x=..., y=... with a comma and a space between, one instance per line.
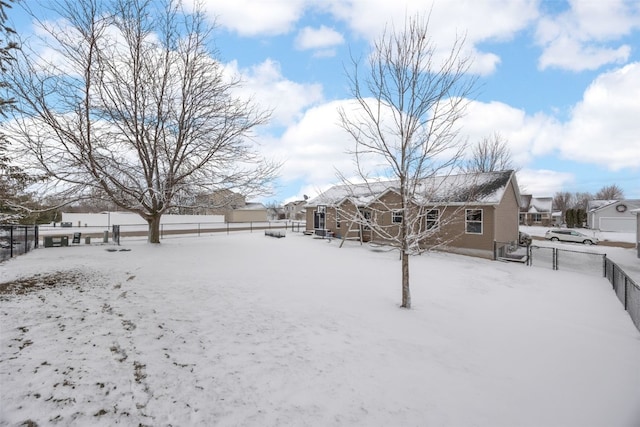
x=116, y=233
x=554, y=258
x=26, y=239
x=11, y=241
x=36, y=236
x=626, y=281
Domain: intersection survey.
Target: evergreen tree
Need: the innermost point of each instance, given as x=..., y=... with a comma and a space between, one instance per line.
x=10, y=176
x=571, y=218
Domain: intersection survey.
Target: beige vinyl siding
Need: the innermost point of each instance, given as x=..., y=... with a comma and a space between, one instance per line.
x=506, y=221
x=247, y=215
x=499, y=223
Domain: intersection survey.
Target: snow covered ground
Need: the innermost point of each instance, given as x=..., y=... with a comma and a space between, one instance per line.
x=602, y=235
x=249, y=330
x=626, y=258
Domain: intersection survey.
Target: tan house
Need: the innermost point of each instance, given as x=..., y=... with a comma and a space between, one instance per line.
x=232, y=205
x=471, y=214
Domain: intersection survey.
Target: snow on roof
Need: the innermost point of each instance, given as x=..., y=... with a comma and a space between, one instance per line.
x=525, y=200
x=592, y=205
x=541, y=204
x=531, y=204
x=595, y=205
x=479, y=188
x=253, y=206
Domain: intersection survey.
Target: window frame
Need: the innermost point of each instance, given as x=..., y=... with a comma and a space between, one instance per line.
x=435, y=222
x=468, y=222
x=366, y=216
x=395, y=214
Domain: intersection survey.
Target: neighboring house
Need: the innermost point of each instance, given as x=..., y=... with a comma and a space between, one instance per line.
x=612, y=215
x=232, y=205
x=295, y=210
x=275, y=213
x=536, y=210
x=468, y=213
x=250, y=212
x=556, y=219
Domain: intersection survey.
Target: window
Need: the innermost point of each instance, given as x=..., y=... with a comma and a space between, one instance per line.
x=366, y=215
x=433, y=219
x=319, y=218
x=337, y=218
x=536, y=217
x=396, y=217
x=473, y=221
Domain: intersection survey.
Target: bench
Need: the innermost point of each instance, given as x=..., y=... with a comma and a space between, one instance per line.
x=56, y=241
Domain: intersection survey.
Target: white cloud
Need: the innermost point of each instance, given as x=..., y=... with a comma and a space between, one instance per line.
x=317, y=148
x=543, y=183
x=476, y=21
x=605, y=125
x=569, y=54
x=527, y=136
x=603, y=128
x=271, y=90
x=318, y=38
x=584, y=37
x=251, y=17
x=314, y=147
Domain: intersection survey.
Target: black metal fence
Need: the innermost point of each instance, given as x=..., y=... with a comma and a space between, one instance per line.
x=626, y=289
x=564, y=259
x=17, y=240
x=510, y=251
x=116, y=233
x=182, y=229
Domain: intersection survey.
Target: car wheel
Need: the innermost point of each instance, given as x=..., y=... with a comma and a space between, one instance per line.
x=588, y=242
x=554, y=239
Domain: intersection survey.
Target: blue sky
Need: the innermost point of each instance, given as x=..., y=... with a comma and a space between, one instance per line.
x=559, y=80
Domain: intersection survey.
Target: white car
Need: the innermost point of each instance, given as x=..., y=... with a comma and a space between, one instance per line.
x=565, y=235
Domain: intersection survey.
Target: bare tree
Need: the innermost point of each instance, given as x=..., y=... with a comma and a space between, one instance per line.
x=581, y=200
x=129, y=104
x=491, y=154
x=610, y=192
x=274, y=209
x=562, y=201
x=404, y=124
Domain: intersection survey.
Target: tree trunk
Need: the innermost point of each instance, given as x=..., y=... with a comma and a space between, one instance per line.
x=406, y=293
x=154, y=229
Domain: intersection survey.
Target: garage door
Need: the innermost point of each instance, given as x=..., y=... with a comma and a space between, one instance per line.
x=627, y=225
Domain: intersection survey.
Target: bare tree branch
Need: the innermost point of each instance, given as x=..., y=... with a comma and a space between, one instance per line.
x=134, y=106
x=491, y=154
x=610, y=192
x=404, y=125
